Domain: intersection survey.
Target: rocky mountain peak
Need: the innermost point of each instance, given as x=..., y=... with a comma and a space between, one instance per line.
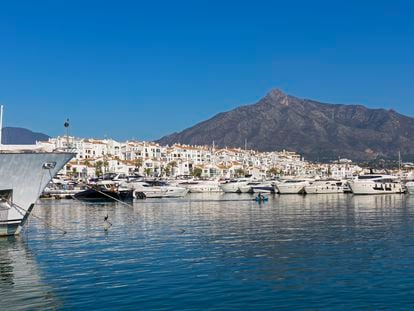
x=316, y=130
x=275, y=97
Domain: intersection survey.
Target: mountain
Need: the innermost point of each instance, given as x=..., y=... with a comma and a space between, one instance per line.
x=319, y=131
x=21, y=136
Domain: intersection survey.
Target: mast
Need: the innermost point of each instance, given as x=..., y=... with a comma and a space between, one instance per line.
x=1, y=122
x=66, y=125
x=399, y=162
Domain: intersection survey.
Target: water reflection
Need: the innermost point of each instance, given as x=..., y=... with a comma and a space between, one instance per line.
x=229, y=252
x=21, y=287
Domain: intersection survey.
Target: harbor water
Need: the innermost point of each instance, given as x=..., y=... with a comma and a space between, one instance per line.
x=214, y=252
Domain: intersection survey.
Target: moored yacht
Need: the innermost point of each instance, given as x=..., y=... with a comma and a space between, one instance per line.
x=325, y=186
x=291, y=186
x=234, y=185
x=156, y=189
x=25, y=171
x=105, y=190
x=410, y=187
x=249, y=186
x=201, y=186
x=376, y=184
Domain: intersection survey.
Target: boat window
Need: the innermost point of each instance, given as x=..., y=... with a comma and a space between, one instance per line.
x=369, y=176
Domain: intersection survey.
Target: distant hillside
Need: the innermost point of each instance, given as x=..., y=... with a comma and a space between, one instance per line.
x=317, y=130
x=21, y=136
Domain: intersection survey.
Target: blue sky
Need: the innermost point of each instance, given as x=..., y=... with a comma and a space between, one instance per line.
x=143, y=69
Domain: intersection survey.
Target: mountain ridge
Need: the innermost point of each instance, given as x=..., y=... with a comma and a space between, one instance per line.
x=317, y=130
x=21, y=136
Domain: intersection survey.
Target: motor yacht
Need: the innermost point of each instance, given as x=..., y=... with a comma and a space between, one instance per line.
x=201, y=186
x=326, y=186
x=234, y=185
x=376, y=184
x=292, y=186
x=156, y=189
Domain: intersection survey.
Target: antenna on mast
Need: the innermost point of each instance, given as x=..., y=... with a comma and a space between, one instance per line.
x=66, y=125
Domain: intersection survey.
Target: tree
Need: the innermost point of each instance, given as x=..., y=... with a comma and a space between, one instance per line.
x=138, y=163
x=147, y=171
x=239, y=172
x=167, y=171
x=273, y=171
x=98, y=168
x=197, y=172
x=106, y=165
x=170, y=167
x=172, y=164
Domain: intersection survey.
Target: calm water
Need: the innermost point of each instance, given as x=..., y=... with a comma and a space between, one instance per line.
x=310, y=252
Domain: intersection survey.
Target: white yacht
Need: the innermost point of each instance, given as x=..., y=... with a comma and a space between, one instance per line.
x=249, y=186
x=326, y=186
x=292, y=186
x=234, y=185
x=410, y=187
x=201, y=186
x=157, y=189
x=25, y=171
x=376, y=184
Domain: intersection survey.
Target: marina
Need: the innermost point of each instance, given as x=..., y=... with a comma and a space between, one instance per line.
x=206, y=155
x=214, y=251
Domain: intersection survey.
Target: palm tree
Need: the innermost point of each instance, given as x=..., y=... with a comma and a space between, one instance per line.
x=106, y=165
x=171, y=166
x=138, y=163
x=167, y=170
x=197, y=172
x=239, y=172
x=273, y=171
x=98, y=168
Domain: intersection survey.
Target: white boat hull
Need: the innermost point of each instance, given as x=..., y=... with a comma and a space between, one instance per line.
x=245, y=189
x=25, y=176
x=410, y=187
x=165, y=192
x=291, y=188
x=232, y=187
x=375, y=188
x=323, y=189
x=204, y=187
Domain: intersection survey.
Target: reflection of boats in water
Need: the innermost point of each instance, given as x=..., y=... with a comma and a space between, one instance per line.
x=24, y=173
x=21, y=287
